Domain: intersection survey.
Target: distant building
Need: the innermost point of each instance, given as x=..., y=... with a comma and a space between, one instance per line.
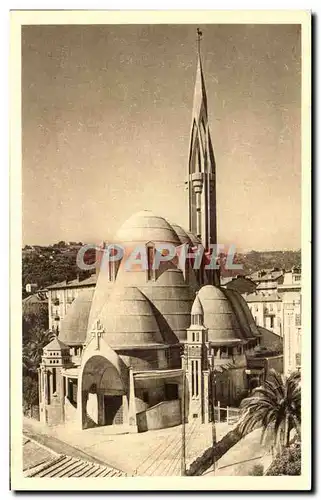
x=276, y=305
x=266, y=310
x=31, y=287
x=290, y=291
x=61, y=296
x=267, y=280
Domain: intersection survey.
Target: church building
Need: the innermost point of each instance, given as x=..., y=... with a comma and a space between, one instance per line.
x=145, y=348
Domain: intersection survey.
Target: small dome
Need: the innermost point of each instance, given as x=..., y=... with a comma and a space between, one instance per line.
x=251, y=325
x=143, y=227
x=74, y=325
x=194, y=239
x=128, y=319
x=182, y=234
x=243, y=320
x=173, y=299
x=219, y=317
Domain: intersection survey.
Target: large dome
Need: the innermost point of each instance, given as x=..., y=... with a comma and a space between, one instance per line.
x=219, y=317
x=128, y=320
x=143, y=227
x=74, y=325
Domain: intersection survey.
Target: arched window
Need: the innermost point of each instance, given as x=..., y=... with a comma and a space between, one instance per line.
x=113, y=266
x=150, y=252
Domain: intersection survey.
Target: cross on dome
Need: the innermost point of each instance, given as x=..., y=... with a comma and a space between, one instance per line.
x=97, y=332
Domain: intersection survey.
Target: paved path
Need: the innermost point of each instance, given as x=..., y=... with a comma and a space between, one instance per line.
x=58, y=446
x=242, y=457
x=152, y=453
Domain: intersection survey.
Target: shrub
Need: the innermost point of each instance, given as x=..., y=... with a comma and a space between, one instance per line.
x=257, y=470
x=287, y=463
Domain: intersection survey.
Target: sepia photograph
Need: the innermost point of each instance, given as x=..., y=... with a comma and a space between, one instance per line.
x=160, y=322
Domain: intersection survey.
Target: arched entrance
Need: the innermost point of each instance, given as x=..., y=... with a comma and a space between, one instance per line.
x=103, y=394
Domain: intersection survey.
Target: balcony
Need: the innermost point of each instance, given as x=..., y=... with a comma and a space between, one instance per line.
x=55, y=302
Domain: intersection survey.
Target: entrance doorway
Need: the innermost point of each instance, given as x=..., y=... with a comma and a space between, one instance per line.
x=171, y=392
x=113, y=410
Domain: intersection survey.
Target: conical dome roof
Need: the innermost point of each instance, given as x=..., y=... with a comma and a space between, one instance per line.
x=232, y=296
x=74, y=325
x=219, y=317
x=128, y=319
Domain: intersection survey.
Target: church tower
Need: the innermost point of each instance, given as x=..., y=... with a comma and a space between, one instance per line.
x=201, y=170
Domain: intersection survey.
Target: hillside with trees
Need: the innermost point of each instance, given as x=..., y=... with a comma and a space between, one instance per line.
x=46, y=265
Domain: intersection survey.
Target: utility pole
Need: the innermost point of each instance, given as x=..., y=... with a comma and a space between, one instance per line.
x=213, y=395
x=183, y=455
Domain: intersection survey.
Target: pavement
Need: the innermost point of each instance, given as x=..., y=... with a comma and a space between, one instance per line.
x=242, y=457
x=151, y=453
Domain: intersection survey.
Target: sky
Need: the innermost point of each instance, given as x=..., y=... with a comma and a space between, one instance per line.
x=106, y=119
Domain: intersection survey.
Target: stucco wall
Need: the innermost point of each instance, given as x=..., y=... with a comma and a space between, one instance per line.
x=165, y=414
x=140, y=359
x=275, y=362
x=70, y=412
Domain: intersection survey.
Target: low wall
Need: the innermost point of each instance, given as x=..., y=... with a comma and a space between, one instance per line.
x=70, y=411
x=163, y=415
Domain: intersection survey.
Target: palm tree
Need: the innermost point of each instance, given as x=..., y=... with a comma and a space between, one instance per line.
x=275, y=406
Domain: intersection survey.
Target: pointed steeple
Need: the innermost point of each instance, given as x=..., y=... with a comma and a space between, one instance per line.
x=200, y=98
x=201, y=167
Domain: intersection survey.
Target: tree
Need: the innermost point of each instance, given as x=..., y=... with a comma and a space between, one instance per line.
x=32, y=350
x=30, y=391
x=34, y=317
x=275, y=406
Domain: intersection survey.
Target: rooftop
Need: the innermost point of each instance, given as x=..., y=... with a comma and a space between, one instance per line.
x=76, y=283
x=266, y=275
x=259, y=297
x=40, y=461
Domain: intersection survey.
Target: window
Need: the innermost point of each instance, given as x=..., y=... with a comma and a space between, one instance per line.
x=145, y=397
x=272, y=321
x=150, y=261
x=171, y=392
x=54, y=381
x=194, y=377
x=271, y=307
x=297, y=319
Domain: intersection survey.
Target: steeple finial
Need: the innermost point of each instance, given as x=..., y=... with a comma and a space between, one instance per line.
x=199, y=38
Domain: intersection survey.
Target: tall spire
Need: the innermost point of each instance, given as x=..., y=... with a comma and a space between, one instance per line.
x=200, y=98
x=201, y=165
